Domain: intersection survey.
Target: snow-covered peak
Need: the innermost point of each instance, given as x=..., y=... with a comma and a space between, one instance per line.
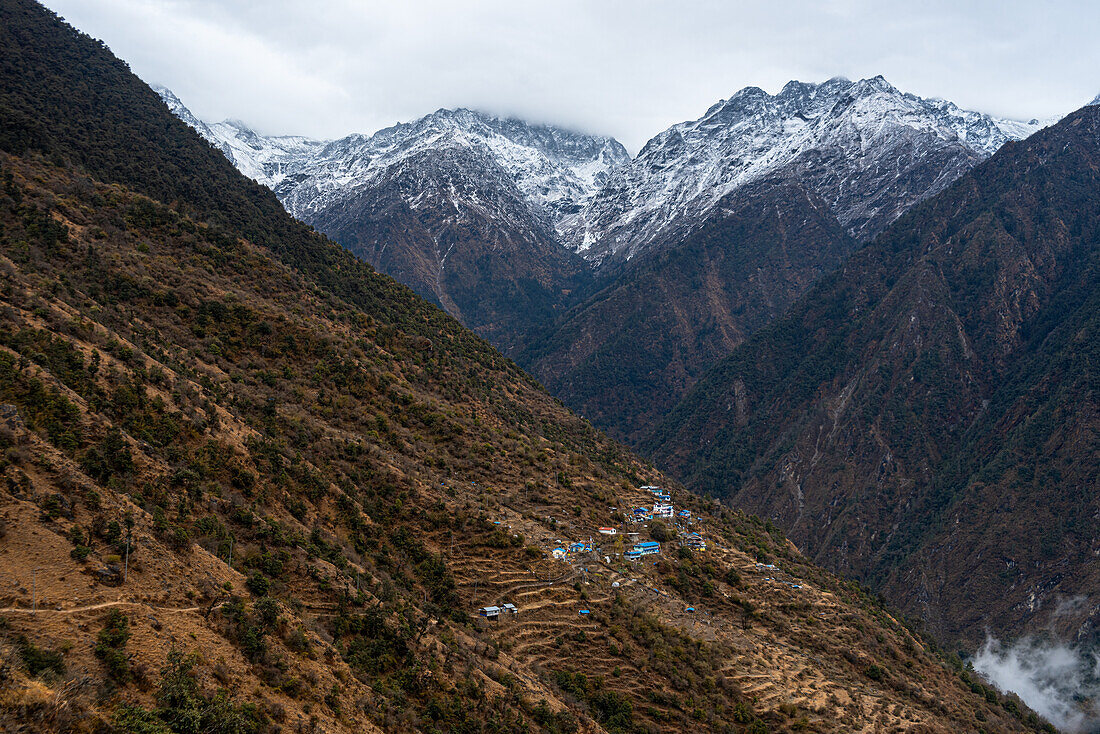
x=1094, y=102
x=177, y=108
x=870, y=103
x=858, y=126
x=265, y=159
x=555, y=170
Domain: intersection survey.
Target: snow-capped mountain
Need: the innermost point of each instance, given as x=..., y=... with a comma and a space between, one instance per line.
x=265, y=159
x=865, y=147
x=868, y=149
x=619, y=281
x=462, y=206
x=508, y=225
x=720, y=224
x=1094, y=102
x=555, y=170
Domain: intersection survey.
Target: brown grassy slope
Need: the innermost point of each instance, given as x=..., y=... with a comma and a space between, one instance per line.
x=154, y=368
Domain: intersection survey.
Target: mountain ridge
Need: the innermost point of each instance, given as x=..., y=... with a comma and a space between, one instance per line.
x=486, y=250
x=754, y=134
x=798, y=102
x=553, y=167
x=460, y=205
x=840, y=160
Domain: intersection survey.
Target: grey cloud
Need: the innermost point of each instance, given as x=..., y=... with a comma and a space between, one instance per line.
x=1058, y=680
x=627, y=68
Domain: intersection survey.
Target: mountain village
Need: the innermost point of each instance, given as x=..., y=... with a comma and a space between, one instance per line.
x=614, y=556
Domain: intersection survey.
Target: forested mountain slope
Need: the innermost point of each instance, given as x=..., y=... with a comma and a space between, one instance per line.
x=625, y=356
x=926, y=418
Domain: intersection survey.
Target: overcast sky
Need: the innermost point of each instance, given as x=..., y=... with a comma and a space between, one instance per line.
x=627, y=68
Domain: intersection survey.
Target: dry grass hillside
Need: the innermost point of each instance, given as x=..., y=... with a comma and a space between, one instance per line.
x=232, y=501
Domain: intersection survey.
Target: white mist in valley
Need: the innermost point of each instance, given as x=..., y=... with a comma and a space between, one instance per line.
x=1059, y=681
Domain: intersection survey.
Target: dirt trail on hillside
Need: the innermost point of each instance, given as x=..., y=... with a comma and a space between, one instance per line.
x=103, y=605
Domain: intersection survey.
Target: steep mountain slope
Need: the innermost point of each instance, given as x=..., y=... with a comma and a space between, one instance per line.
x=926, y=418
x=312, y=495
x=626, y=355
x=459, y=205
x=250, y=485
